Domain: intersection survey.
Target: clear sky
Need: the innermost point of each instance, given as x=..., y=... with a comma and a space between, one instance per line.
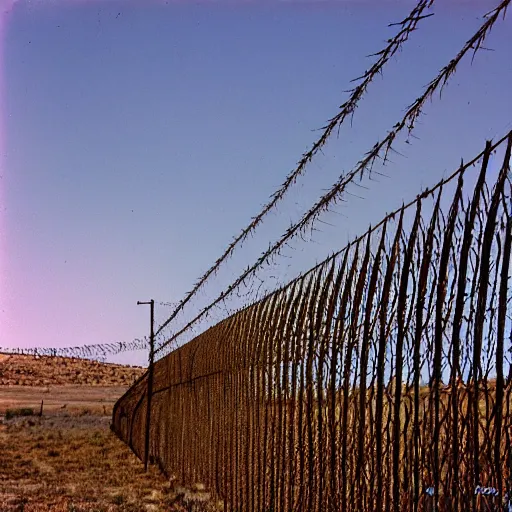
x=139, y=137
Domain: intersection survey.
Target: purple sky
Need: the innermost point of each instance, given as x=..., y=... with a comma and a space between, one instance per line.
x=139, y=137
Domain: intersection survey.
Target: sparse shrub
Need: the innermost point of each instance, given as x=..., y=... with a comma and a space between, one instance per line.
x=21, y=504
x=118, y=499
x=97, y=439
x=53, y=453
x=12, y=413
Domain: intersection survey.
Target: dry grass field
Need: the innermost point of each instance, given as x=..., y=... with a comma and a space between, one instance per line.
x=69, y=398
x=20, y=370
x=68, y=460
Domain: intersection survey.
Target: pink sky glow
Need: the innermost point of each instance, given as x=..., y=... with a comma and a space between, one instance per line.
x=5, y=8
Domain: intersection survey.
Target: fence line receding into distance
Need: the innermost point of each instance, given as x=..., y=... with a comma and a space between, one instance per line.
x=379, y=380
x=98, y=351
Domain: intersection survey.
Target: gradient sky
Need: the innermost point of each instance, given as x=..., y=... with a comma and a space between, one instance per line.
x=139, y=137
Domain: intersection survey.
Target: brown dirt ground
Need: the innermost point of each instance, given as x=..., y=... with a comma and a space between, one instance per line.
x=61, y=398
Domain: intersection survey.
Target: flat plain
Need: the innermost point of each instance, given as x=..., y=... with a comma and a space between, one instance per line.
x=67, y=459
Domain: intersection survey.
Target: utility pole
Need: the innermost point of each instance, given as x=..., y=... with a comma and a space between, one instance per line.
x=150, y=380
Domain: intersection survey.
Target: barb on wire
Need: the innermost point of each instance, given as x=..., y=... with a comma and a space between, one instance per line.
x=407, y=26
x=364, y=167
x=167, y=304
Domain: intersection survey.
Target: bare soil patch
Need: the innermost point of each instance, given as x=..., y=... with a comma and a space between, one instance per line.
x=73, y=399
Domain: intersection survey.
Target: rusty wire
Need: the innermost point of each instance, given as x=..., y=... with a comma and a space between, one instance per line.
x=380, y=380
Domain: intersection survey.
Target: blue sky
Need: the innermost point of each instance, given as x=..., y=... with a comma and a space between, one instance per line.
x=141, y=136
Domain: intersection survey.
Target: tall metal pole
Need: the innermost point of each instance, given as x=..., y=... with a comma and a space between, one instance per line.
x=149, y=391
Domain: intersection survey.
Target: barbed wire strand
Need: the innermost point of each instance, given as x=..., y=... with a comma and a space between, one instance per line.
x=428, y=191
x=365, y=165
x=84, y=351
x=347, y=109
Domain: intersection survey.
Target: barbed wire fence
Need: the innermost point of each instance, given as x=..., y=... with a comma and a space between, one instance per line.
x=379, y=380
x=99, y=351
x=407, y=26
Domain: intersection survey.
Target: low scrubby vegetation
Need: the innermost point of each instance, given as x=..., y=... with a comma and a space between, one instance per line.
x=74, y=463
x=22, y=370
x=24, y=411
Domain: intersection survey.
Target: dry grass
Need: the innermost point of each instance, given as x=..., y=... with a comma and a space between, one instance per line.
x=71, y=399
x=74, y=463
x=55, y=371
x=68, y=460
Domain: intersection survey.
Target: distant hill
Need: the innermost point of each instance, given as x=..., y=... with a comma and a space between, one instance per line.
x=24, y=370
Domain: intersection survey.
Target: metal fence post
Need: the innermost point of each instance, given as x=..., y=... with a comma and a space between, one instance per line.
x=149, y=391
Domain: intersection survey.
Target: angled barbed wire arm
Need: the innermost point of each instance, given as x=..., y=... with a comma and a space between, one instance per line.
x=407, y=123
x=347, y=109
